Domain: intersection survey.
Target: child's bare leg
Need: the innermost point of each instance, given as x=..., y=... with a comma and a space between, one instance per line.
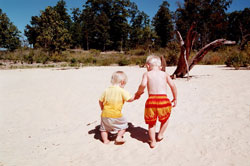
x=104, y=135
x=151, y=132
x=120, y=134
x=163, y=128
x=119, y=139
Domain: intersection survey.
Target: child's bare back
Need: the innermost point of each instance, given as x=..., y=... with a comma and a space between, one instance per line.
x=156, y=82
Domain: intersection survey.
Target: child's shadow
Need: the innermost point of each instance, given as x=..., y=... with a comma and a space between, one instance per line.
x=138, y=133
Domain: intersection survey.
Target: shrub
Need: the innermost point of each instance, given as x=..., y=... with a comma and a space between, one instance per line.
x=138, y=52
x=214, y=58
x=57, y=58
x=123, y=62
x=104, y=62
x=73, y=60
x=171, y=59
x=28, y=58
x=137, y=60
x=238, y=60
x=94, y=52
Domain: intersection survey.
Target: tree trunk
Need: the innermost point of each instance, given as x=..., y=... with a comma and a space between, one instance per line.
x=244, y=41
x=186, y=48
x=244, y=38
x=184, y=65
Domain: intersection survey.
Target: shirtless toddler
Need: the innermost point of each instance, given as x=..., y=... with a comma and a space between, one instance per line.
x=157, y=104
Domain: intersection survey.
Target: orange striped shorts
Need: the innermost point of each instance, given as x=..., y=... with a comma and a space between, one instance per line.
x=157, y=105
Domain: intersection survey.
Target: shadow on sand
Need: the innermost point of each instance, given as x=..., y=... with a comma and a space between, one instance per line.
x=138, y=133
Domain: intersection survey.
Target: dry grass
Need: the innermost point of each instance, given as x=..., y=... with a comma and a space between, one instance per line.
x=229, y=55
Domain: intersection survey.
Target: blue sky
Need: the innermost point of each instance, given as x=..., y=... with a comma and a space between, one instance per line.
x=21, y=11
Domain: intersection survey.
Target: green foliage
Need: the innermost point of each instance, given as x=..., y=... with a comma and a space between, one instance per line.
x=210, y=17
x=76, y=29
x=137, y=52
x=172, y=54
x=48, y=31
x=231, y=56
x=119, y=25
x=238, y=60
x=163, y=24
x=9, y=34
x=123, y=62
x=135, y=60
x=239, y=24
x=61, y=9
x=105, y=24
x=94, y=52
x=140, y=33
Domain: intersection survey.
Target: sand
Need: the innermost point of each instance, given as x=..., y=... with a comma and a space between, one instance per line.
x=51, y=117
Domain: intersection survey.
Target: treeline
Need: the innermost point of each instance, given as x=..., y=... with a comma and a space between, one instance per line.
x=120, y=25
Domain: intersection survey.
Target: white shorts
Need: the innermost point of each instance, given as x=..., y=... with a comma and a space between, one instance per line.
x=113, y=125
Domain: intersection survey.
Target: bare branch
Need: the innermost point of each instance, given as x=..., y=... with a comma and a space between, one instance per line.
x=180, y=38
x=198, y=57
x=163, y=64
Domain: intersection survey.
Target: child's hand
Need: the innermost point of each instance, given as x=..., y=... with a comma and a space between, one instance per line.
x=174, y=102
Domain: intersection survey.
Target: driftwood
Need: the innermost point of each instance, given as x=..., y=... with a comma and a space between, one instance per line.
x=163, y=64
x=184, y=64
x=198, y=57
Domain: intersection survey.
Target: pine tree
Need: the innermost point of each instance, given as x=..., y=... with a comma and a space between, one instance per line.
x=48, y=31
x=76, y=29
x=163, y=25
x=9, y=34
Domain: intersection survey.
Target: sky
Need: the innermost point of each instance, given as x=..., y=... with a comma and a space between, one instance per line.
x=20, y=11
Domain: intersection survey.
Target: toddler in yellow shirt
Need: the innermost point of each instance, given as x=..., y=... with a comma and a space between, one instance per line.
x=111, y=102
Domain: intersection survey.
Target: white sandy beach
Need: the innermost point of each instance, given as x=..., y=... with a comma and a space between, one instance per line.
x=50, y=117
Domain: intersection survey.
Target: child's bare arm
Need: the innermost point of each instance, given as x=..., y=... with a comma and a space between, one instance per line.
x=142, y=86
x=173, y=89
x=131, y=99
x=101, y=104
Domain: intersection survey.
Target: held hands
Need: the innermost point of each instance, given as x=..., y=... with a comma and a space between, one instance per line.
x=174, y=102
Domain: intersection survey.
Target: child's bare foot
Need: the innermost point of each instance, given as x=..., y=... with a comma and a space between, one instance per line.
x=106, y=142
x=159, y=138
x=152, y=144
x=119, y=141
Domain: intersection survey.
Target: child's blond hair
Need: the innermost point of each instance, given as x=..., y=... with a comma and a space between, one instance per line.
x=153, y=60
x=118, y=77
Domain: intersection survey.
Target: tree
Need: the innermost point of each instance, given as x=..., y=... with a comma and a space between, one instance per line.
x=102, y=31
x=209, y=15
x=119, y=26
x=163, y=25
x=239, y=26
x=95, y=24
x=88, y=18
x=105, y=24
x=32, y=32
x=140, y=33
x=76, y=29
x=9, y=34
x=48, y=31
x=61, y=9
